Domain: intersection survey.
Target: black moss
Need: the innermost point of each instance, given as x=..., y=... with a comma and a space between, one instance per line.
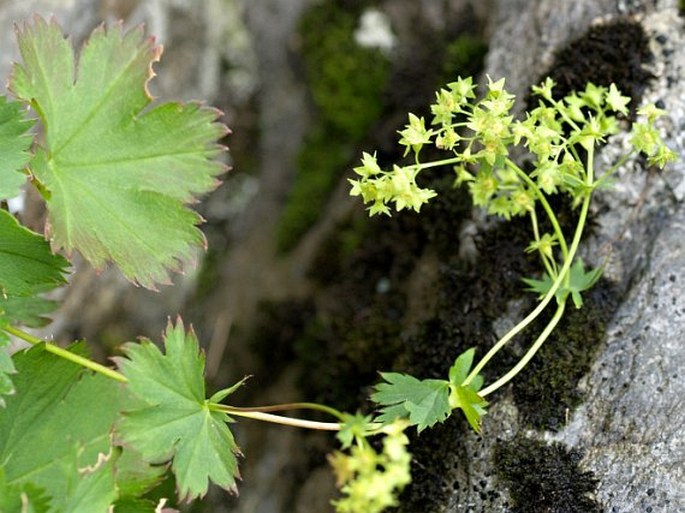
x=544, y=478
x=546, y=391
x=613, y=52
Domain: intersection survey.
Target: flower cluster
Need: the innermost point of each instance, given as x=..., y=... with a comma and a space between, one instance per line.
x=370, y=480
x=481, y=133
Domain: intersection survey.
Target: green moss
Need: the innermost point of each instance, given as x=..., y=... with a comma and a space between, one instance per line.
x=346, y=80
x=346, y=83
x=464, y=56
x=544, y=478
x=546, y=392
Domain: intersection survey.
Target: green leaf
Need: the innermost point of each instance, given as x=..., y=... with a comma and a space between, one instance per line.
x=56, y=430
x=6, y=368
x=134, y=476
x=27, y=265
x=424, y=402
x=461, y=367
x=579, y=281
x=467, y=399
x=463, y=396
x=27, y=268
x=177, y=424
x=22, y=498
x=119, y=173
x=14, y=145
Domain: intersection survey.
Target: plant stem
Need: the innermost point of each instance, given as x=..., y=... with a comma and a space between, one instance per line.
x=529, y=354
x=289, y=406
x=562, y=277
x=277, y=419
x=67, y=355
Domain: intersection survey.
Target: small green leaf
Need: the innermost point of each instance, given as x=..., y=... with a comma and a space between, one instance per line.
x=462, y=366
x=119, y=173
x=354, y=427
x=540, y=286
x=424, y=402
x=27, y=265
x=467, y=399
x=176, y=424
x=581, y=281
x=14, y=145
x=578, y=281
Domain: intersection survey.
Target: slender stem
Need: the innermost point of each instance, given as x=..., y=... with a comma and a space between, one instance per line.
x=289, y=406
x=67, y=355
x=277, y=419
x=529, y=354
x=536, y=233
x=562, y=276
x=545, y=205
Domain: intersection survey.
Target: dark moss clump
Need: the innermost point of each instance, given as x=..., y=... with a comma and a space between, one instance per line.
x=610, y=53
x=347, y=83
x=546, y=391
x=545, y=478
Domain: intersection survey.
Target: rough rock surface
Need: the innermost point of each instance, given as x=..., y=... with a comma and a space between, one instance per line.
x=630, y=428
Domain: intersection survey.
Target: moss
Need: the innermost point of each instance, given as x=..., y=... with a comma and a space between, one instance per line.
x=610, y=53
x=544, y=478
x=346, y=82
x=546, y=392
x=463, y=56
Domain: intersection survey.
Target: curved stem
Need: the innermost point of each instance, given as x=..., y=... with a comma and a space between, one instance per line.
x=561, y=277
x=529, y=354
x=277, y=419
x=67, y=355
x=545, y=205
x=288, y=407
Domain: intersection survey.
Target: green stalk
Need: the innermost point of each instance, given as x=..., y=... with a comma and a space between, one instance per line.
x=67, y=355
x=582, y=218
x=276, y=419
x=529, y=354
x=545, y=205
x=288, y=407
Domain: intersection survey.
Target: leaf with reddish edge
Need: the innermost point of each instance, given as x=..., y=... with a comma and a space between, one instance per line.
x=119, y=173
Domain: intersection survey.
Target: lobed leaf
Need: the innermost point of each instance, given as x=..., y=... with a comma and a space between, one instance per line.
x=175, y=422
x=424, y=402
x=118, y=172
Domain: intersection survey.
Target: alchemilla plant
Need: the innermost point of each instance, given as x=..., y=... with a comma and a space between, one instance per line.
x=117, y=174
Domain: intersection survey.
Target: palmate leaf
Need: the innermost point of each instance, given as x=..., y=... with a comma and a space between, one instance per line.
x=424, y=402
x=14, y=145
x=175, y=423
x=118, y=173
x=579, y=281
x=56, y=433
